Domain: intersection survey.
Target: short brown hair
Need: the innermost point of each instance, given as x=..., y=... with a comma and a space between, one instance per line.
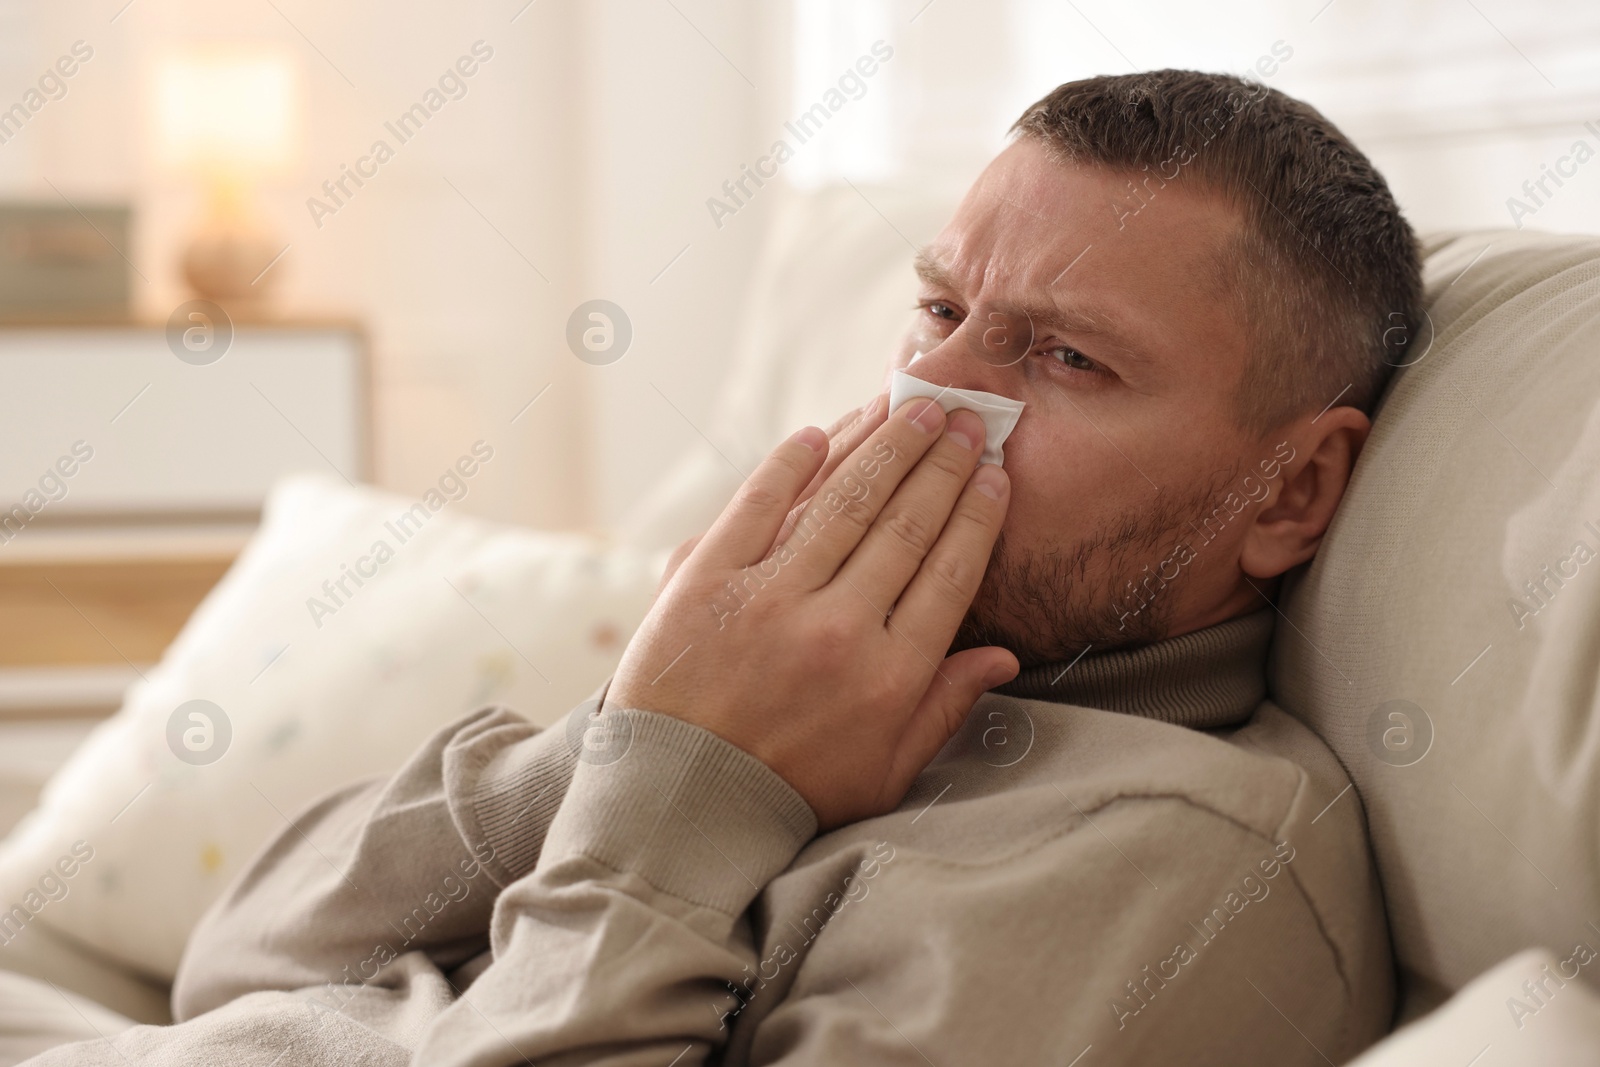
x=1326, y=267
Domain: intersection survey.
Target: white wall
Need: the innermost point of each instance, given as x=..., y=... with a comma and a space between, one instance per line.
x=594, y=138
x=670, y=93
x=1458, y=103
x=463, y=330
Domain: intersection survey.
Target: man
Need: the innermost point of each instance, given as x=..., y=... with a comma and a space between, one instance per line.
x=792, y=835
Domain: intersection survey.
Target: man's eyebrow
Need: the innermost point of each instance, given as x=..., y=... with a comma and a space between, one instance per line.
x=1045, y=318
x=932, y=272
x=1072, y=320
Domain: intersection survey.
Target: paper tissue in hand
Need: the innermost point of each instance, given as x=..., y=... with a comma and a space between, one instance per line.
x=999, y=413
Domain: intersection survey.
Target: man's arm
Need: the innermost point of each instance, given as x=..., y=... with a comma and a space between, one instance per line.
x=622, y=945
x=613, y=948
x=412, y=862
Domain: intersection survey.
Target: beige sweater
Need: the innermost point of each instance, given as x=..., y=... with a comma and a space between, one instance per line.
x=1181, y=876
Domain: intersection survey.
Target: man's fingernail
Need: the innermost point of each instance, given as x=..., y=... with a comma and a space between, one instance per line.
x=812, y=438
x=927, y=416
x=991, y=481
x=964, y=428
x=998, y=675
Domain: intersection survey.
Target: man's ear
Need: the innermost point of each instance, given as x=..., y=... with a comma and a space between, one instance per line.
x=1288, y=529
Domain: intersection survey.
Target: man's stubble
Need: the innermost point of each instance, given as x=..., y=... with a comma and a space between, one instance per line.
x=1047, y=605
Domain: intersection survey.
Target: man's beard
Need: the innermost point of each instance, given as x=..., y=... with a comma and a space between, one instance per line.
x=1050, y=605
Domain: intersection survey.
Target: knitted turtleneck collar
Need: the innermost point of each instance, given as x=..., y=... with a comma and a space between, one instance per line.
x=1204, y=679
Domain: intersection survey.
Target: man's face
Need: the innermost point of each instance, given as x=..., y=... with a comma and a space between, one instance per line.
x=1128, y=352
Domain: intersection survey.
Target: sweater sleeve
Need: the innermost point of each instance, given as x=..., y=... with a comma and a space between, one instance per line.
x=384, y=867
x=623, y=943
x=631, y=922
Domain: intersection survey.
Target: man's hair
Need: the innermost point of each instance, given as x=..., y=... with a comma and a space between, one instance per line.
x=1325, y=269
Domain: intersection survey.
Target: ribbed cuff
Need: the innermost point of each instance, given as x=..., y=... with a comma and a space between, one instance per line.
x=512, y=778
x=684, y=810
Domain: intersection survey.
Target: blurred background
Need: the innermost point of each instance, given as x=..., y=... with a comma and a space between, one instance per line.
x=244, y=238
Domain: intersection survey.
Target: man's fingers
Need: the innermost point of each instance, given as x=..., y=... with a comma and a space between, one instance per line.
x=903, y=535
x=747, y=526
x=675, y=560
x=960, y=681
x=876, y=408
x=844, y=437
x=850, y=499
x=932, y=606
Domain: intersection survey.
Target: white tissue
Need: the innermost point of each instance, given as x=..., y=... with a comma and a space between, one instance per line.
x=999, y=413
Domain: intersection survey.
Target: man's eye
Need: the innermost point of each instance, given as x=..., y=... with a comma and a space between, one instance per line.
x=939, y=309
x=1072, y=358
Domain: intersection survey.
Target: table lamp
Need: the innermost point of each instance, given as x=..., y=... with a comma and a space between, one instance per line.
x=228, y=117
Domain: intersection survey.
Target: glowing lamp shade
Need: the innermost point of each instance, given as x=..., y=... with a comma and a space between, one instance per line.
x=223, y=113
x=228, y=116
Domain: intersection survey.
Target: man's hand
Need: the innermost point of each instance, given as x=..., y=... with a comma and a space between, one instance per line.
x=844, y=437
x=775, y=632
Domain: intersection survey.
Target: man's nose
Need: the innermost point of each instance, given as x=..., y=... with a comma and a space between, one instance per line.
x=983, y=353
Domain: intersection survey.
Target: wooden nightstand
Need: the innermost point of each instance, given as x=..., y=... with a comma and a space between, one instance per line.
x=130, y=478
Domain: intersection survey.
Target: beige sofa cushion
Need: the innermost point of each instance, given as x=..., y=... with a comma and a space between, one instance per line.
x=1560, y=1027
x=1461, y=699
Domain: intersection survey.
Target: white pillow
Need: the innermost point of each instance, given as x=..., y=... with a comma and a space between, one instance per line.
x=459, y=614
x=1464, y=705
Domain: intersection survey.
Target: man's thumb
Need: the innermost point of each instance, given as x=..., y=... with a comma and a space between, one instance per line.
x=960, y=680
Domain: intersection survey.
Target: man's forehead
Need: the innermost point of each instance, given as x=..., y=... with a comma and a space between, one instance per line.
x=1038, y=235
x=1023, y=179
x=1037, y=213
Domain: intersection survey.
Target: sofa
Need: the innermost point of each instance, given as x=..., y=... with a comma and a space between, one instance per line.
x=1444, y=642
